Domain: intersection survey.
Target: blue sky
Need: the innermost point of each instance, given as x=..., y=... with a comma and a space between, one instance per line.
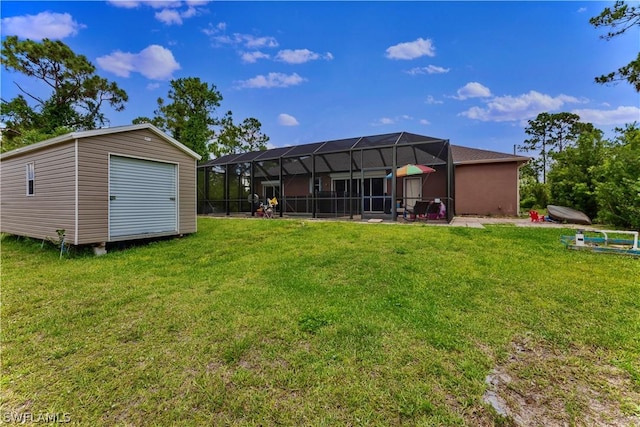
x=470, y=72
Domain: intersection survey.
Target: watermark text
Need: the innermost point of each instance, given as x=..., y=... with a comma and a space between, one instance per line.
x=35, y=417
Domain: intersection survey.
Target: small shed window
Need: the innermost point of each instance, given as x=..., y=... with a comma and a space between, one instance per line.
x=31, y=176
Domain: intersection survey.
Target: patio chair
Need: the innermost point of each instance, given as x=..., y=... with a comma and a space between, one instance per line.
x=419, y=210
x=535, y=216
x=433, y=210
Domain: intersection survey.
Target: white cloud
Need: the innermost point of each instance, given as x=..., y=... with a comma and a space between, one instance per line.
x=424, y=122
x=252, y=57
x=620, y=116
x=429, y=69
x=272, y=80
x=124, y=4
x=522, y=107
x=473, y=90
x=174, y=16
x=257, y=42
x=219, y=40
x=411, y=50
x=271, y=145
x=212, y=30
x=169, y=17
x=431, y=100
x=252, y=44
x=247, y=40
x=154, y=62
x=190, y=12
x=170, y=13
x=300, y=56
x=287, y=120
x=43, y=25
x=582, y=9
x=385, y=121
x=153, y=86
x=391, y=120
x=156, y=4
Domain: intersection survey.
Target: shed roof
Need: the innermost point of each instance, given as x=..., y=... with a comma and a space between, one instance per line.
x=98, y=132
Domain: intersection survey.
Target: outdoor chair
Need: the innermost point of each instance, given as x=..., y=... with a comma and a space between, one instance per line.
x=433, y=210
x=419, y=210
x=535, y=216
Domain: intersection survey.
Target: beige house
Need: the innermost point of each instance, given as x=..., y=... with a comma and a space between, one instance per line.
x=105, y=185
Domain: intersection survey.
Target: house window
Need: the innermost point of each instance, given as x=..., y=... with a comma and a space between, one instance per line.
x=344, y=187
x=31, y=176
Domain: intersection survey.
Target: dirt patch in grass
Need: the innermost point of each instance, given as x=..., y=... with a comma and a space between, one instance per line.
x=540, y=385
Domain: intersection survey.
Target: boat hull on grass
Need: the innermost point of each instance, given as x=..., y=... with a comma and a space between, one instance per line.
x=568, y=215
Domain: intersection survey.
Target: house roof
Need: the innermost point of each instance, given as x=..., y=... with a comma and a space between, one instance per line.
x=424, y=150
x=466, y=155
x=98, y=132
x=430, y=146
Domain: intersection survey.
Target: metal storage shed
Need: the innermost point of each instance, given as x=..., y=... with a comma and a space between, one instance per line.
x=106, y=185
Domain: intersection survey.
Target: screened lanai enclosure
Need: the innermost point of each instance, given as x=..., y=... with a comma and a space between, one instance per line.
x=354, y=178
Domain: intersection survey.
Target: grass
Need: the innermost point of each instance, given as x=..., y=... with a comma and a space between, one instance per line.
x=292, y=322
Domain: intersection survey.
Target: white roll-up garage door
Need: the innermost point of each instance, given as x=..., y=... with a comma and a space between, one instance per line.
x=142, y=197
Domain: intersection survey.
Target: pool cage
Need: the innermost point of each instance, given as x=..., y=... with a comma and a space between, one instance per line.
x=347, y=178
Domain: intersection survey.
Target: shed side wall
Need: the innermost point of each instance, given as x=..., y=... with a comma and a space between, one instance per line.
x=487, y=189
x=93, y=188
x=52, y=206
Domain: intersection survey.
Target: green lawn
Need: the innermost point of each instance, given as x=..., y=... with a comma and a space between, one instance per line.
x=302, y=322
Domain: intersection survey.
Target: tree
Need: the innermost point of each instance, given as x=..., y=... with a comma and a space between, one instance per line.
x=238, y=138
x=575, y=175
x=618, y=193
x=189, y=117
x=77, y=93
x=157, y=122
x=552, y=133
x=533, y=194
x=29, y=136
x=620, y=18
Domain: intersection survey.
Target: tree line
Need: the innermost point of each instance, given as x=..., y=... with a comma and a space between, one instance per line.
x=575, y=166
x=78, y=97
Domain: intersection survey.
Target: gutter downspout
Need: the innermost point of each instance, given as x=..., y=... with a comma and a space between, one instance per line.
x=76, y=224
x=450, y=184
